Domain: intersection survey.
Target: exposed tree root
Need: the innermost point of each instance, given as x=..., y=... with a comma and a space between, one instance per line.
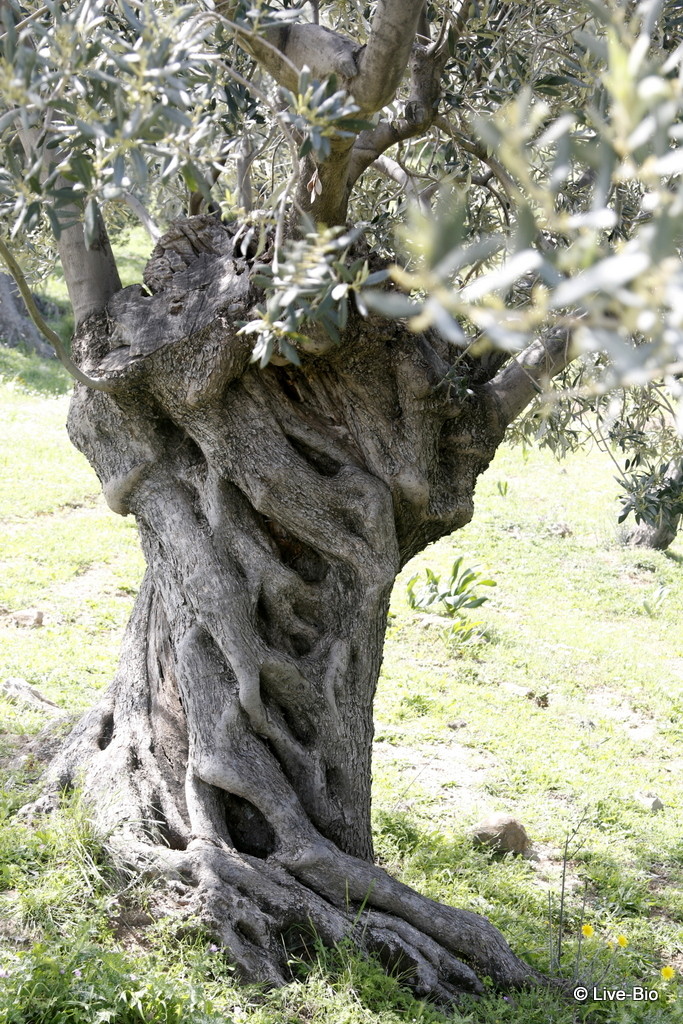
x=262, y=913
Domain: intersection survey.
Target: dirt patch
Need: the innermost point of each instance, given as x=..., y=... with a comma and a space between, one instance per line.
x=613, y=706
x=676, y=961
x=84, y=592
x=96, y=579
x=450, y=771
x=94, y=584
x=67, y=508
x=131, y=923
x=14, y=932
x=129, y=928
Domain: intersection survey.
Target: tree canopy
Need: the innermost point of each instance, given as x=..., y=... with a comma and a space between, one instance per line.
x=516, y=167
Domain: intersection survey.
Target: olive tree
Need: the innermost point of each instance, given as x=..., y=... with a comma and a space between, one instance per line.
x=405, y=220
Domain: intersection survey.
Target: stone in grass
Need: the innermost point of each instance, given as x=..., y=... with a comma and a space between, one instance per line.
x=649, y=801
x=16, y=689
x=502, y=833
x=28, y=618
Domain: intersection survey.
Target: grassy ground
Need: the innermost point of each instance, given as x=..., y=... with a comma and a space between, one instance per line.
x=565, y=715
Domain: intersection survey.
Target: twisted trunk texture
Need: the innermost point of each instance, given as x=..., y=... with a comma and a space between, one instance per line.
x=275, y=508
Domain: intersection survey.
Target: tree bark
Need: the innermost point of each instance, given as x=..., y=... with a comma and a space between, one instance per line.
x=658, y=538
x=275, y=507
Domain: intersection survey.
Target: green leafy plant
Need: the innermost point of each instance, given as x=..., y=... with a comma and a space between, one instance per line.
x=320, y=113
x=463, y=633
x=653, y=604
x=654, y=495
x=88, y=985
x=307, y=295
x=457, y=594
x=453, y=598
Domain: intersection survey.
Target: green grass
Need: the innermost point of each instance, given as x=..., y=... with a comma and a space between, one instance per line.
x=30, y=374
x=567, y=624
x=570, y=708
x=62, y=552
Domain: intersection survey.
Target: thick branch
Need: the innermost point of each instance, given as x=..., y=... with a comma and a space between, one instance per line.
x=423, y=33
x=90, y=272
x=338, y=174
x=372, y=74
x=323, y=188
x=526, y=376
x=283, y=50
x=391, y=169
x=408, y=182
x=373, y=142
x=426, y=65
x=384, y=59
x=375, y=70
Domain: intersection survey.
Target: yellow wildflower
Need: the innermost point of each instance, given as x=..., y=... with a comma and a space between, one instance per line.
x=623, y=941
x=587, y=931
x=668, y=973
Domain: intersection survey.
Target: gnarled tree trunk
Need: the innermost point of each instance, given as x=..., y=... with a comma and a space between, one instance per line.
x=275, y=508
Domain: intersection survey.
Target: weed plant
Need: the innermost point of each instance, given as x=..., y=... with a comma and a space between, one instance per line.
x=454, y=597
x=91, y=985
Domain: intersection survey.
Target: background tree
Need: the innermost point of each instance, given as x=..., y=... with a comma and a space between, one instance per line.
x=287, y=433
x=16, y=328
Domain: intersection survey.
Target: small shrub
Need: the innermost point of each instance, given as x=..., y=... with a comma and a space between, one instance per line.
x=418, y=704
x=454, y=598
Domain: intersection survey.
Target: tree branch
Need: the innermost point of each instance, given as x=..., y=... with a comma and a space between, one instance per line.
x=90, y=272
x=479, y=150
x=283, y=50
x=384, y=59
x=391, y=169
x=423, y=33
x=527, y=374
x=372, y=74
x=426, y=65
x=247, y=155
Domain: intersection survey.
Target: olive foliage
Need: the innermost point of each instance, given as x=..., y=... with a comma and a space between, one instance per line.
x=532, y=191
